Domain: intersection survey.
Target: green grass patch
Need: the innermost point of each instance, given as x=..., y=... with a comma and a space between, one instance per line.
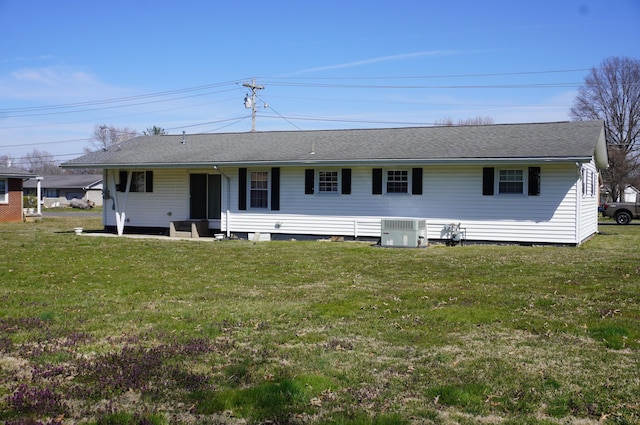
x=117, y=329
x=612, y=336
x=468, y=397
x=125, y=418
x=273, y=401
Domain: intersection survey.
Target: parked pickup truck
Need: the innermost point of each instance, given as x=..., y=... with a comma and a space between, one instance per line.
x=622, y=212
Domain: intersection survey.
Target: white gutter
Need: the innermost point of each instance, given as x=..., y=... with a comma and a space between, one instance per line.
x=338, y=162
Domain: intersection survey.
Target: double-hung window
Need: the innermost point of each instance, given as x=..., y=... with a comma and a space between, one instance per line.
x=397, y=181
x=328, y=181
x=511, y=182
x=259, y=189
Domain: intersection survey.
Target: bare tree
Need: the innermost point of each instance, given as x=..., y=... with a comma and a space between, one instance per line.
x=476, y=121
x=41, y=162
x=611, y=93
x=444, y=122
x=469, y=121
x=104, y=137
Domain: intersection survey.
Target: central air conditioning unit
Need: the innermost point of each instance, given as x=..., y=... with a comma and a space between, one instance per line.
x=406, y=233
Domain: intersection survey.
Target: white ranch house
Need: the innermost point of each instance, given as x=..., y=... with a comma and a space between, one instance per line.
x=514, y=183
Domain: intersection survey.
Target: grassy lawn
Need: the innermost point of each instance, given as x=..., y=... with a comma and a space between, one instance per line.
x=99, y=330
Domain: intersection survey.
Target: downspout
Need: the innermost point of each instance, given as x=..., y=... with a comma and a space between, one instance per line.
x=106, y=195
x=578, y=211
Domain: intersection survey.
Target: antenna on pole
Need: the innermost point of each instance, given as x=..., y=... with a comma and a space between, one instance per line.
x=250, y=102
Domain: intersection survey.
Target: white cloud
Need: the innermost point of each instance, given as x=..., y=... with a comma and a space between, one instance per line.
x=389, y=58
x=52, y=85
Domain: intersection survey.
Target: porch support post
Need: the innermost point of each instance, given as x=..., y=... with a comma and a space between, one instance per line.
x=39, y=193
x=121, y=215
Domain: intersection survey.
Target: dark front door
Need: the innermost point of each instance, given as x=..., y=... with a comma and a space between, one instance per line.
x=198, y=203
x=205, y=196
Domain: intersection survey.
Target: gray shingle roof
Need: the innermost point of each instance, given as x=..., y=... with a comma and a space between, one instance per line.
x=558, y=141
x=65, y=181
x=16, y=173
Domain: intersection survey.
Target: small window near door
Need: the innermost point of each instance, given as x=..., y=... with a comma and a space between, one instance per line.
x=137, y=181
x=141, y=181
x=259, y=192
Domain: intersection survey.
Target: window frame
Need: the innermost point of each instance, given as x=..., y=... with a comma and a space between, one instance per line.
x=147, y=181
x=531, y=181
x=138, y=181
x=522, y=182
x=265, y=191
x=51, y=193
x=589, y=182
x=404, y=183
x=4, y=194
x=334, y=184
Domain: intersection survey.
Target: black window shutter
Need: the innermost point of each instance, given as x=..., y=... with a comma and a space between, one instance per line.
x=534, y=181
x=346, y=181
x=122, y=187
x=242, y=188
x=275, y=189
x=309, y=176
x=148, y=181
x=376, y=177
x=416, y=181
x=488, y=175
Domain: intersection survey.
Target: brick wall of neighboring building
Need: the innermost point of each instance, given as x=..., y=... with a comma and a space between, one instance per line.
x=12, y=212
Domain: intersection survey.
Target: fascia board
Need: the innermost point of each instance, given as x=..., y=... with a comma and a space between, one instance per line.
x=362, y=162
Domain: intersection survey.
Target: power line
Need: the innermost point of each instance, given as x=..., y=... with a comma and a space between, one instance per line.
x=18, y=115
x=101, y=102
x=114, y=100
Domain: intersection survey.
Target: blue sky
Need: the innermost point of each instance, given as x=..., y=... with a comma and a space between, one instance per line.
x=67, y=66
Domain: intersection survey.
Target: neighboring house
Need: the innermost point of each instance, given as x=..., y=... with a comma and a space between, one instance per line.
x=522, y=183
x=11, y=181
x=631, y=194
x=58, y=190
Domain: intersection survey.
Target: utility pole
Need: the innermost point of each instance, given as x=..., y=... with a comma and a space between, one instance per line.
x=250, y=102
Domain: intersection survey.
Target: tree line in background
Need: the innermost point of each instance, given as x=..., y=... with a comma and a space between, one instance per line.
x=611, y=93
x=44, y=163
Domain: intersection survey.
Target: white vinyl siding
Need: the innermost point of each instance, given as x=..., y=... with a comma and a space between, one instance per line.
x=587, y=204
x=451, y=194
x=169, y=200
